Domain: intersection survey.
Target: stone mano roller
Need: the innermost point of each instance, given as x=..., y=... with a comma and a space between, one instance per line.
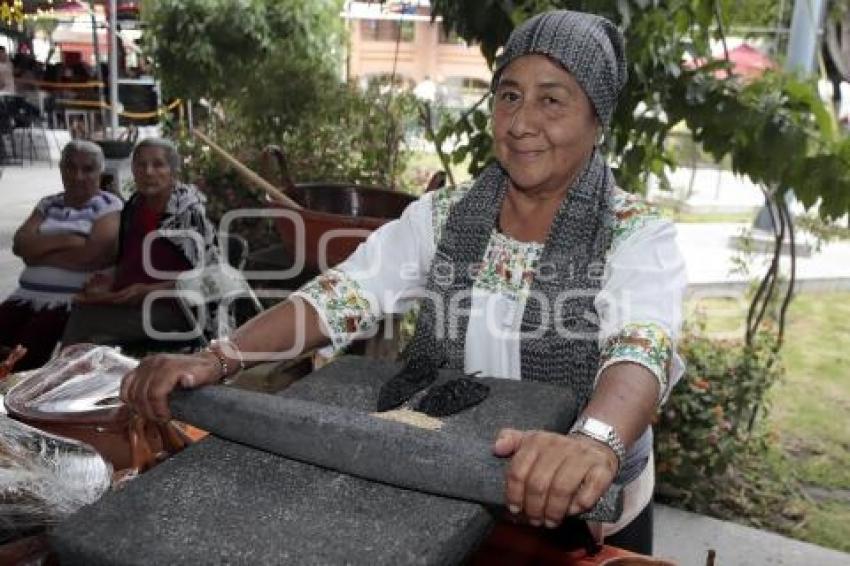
x=359, y=444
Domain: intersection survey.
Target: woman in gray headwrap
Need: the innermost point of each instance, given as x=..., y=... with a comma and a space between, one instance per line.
x=542, y=269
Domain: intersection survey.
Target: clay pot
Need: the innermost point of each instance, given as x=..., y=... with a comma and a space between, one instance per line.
x=336, y=218
x=123, y=439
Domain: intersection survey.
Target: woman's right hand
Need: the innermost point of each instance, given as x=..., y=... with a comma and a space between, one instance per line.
x=99, y=282
x=146, y=388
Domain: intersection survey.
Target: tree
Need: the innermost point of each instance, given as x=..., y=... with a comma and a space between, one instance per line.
x=837, y=38
x=274, y=68
x=11, y=17
x=757, y=13
x=260, y=57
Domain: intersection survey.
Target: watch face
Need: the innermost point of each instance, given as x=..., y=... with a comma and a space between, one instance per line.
x=597, y=428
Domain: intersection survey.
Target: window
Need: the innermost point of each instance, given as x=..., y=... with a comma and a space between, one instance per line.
x=467, y=85
x=386, y=30
x=450, y=37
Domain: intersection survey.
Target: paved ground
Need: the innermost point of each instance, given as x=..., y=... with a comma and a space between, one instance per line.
x=686, y=539
x=20, y=190
x=681, y=536
x=707, y=189
x=709, y=256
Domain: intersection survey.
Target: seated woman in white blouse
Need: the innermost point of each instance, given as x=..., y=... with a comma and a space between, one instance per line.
x=68, y=237
x=542, y=269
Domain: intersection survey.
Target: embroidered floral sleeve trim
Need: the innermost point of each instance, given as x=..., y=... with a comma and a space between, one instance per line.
x=342, y=305
x=631, y=213
x=442, y=203
x=647, y=344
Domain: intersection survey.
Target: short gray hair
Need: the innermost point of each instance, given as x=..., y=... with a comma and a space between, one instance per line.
x=86, y=147
x=175, y=162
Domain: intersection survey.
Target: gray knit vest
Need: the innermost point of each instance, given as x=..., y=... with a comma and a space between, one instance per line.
x=559, y=325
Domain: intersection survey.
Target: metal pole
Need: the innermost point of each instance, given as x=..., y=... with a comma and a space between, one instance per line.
x=806, y=25
x=97, y=69
x=113, y=66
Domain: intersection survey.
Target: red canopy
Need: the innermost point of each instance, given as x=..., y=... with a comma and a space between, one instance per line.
x=747, y=62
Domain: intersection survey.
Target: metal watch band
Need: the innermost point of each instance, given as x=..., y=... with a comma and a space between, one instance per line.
x=609, y=438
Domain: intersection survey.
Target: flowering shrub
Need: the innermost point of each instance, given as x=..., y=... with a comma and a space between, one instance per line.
x=709, y=419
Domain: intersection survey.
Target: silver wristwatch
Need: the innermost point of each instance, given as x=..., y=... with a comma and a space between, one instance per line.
x=602, y=432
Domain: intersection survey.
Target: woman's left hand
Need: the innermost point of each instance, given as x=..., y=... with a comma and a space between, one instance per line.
x=554, y=475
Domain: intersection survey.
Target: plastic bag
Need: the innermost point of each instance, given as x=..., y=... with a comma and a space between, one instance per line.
x=76, y=395
x=82, y=378
x=44, y=478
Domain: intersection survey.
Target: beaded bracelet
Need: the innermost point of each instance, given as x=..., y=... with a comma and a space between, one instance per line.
x=216, y=348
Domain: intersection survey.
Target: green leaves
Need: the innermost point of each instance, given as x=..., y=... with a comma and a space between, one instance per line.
x=489, y=20
x=776, y=130
x=218, y=48
x=480, y=119
x=469, y=136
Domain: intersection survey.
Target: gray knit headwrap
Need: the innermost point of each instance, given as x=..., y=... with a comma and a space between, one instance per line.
x=589, y=47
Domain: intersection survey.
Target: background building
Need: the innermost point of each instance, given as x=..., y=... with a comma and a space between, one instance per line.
x=399, y=39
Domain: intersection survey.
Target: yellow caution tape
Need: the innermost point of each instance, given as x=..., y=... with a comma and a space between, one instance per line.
x=60, y=86
x=81, y=103
x=152, y=114
x=126, y=114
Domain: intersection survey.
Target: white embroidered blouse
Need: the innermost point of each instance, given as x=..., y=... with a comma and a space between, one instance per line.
x=639, y=304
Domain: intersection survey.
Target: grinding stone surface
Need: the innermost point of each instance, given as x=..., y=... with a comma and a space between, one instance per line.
x=219, y=502
x=351, y=382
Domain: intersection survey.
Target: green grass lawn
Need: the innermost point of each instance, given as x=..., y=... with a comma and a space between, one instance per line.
x=705, y=217
x=811, y=414
x=809, y=421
